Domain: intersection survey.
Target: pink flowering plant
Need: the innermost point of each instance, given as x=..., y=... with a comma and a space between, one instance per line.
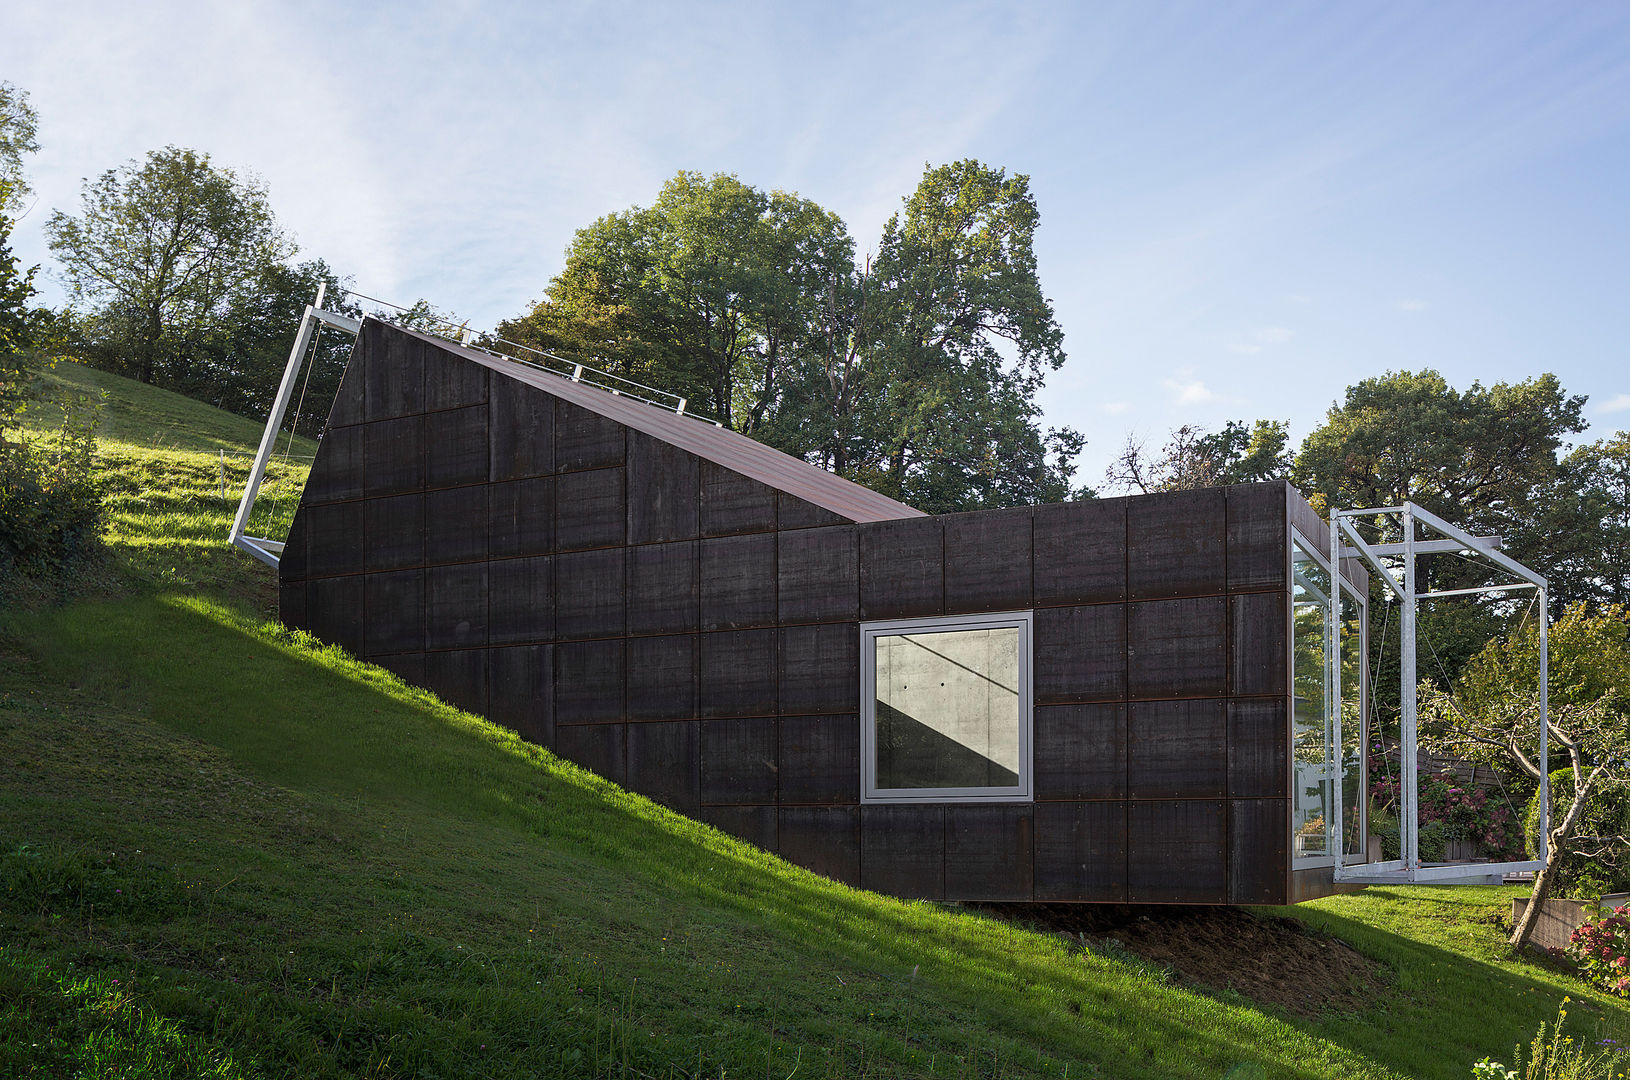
x=1601, y=950
x=1459, y=812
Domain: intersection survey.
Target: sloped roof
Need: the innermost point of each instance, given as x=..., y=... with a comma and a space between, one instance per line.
x=724, y=447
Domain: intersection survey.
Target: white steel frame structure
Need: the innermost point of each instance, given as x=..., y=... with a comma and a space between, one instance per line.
x=1401, y=580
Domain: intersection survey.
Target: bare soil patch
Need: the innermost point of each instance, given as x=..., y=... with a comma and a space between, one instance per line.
x=1271, y=960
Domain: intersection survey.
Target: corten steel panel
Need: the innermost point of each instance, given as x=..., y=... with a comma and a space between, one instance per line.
x=395, y=533
x=522, y=514
x=337, y=471
x=754, y=824
x=292, y=565
x=733, y=503
x=1080, y=653
x=663, y=490
x=818, y=571
x=522, y=694
x=825, y=839
x=393, y=456
x=820, y=668
x=1257, y=536
x=1176, y=852
x=792, y=512
x=739, y=760
x=737, y=673
x=394, y=373
x=738, y=581
x=1258, y=841
x=662, y=588
x=522, y=421
x=349, y=405
x=1258, y=749
x=1257, y=628
x=455, y=601
x=1308, y=522
x=663, y=763
x=1081, y=851
x=585, y=439
x=1080, y=552
x=731, y=449
x=589, y=509
x=459, y=677
x=989, y=852
x=589, y=681
x=451, y=381
x=1177, y=749
x=457, y=450
x=902, y=568
x=1080, y=751
x=600, y=748
x=291, y=605
x=521, y=605
x=662, y=677
x=902, y=850
x=395, y=620
x=987, y=561
x=1175, y=544
x=455, y=524
x=589, y=594
x=409, y=667
x=335, y=542
x=1177, y=648
x=820, y=759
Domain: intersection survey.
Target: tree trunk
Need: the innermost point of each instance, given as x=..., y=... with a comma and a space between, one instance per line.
x=1546, y=878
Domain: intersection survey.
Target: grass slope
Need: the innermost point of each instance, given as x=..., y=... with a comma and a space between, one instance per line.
x=226, y=850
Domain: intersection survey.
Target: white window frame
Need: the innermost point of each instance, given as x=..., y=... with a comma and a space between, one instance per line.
x=1331, y=767
x=1023, y=791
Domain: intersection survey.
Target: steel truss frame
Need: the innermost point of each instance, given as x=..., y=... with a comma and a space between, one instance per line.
x=1401, y=581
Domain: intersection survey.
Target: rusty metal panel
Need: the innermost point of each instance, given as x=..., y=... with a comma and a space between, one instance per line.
x=902, y=850
x=663, y=491
x=754, y=824
x=664, y=763
x=1258, y=625
x=989, y=852
x=589, y=681
x=739, y=760
x=820, y=668
x=589, y=593
x=1177, y=648
x=522, y=693
x=1258, y=846
x=393, y=456
x=584, y=438
x=733, y=503
x=457, y=449
x=662, y=677
x=825, y=839
x=456, y=522
x=337, y=471
x=1080, y=552
x=1080, y=653
x=1080, y=751
x=589, y=509
x=291, y=605
x=987, y=561
x=522, y=421
x=600, y=748
x=1176, y=852
x=394, y=532
x=1258, y=749
x=738, y=673
x=459, y=677
x=820, y=759
x=394, y=374
x=1257, y=536
x=522, y=517
x=792, y=512
x=1081, y=851
x=662, y=588
x=902, y=568
x=818, y=574
x=1176, y=544
x=521, y=606
x=395, y=609
x=335, y=541
x=450, y=381
x=1177, y=749
x=456, y=606
x=738, y=581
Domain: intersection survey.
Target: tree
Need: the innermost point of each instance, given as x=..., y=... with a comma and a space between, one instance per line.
x=1496, y=718
x=159, y=249
x=1582, y=525
x=713, y=293
x=1194, y=458
x=19, y=128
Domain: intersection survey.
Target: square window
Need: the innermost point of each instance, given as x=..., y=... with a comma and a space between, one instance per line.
x=946, y=709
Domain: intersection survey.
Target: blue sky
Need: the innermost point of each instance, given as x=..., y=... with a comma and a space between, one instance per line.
x=1245, y=207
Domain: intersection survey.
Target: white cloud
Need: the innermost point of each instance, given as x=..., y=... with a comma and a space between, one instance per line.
x=1616, y=403
x=1244, y=349
x=1274, y=335
x=1115, y=408
x=1412, y=305
x=1189, y=393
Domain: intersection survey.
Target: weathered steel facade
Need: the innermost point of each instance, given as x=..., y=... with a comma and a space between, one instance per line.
x=678, y=609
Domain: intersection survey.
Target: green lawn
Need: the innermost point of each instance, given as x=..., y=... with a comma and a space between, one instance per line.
x=226, y=850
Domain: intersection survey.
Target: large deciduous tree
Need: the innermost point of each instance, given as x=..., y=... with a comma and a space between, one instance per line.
x=1194, y=458
x=19, y=130
x=1582, y=525
x=159, y=249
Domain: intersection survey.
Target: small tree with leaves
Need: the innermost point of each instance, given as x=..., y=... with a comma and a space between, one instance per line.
x=1495, y=718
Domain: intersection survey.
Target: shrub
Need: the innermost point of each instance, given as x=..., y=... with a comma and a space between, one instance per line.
x=1449, y=812
x=1599, y=867
x=1601, y=950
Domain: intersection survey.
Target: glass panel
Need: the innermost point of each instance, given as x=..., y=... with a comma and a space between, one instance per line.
x=948, y=709
x=1310, y=731
x=1354, y=789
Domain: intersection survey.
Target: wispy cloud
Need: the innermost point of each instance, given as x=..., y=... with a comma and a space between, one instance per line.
x=1189, y=393
x=1244, y=349
x=1115, y=408
x=1616, y=403
x=1275, y=335
x=1412, y=305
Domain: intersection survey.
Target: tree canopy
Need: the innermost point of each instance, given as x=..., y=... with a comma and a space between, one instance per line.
x=915, y=373
x=19, y=131
x=1194, y=458
x=159, y=250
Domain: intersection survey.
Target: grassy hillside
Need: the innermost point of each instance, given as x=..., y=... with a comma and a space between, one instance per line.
x=226, y=850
